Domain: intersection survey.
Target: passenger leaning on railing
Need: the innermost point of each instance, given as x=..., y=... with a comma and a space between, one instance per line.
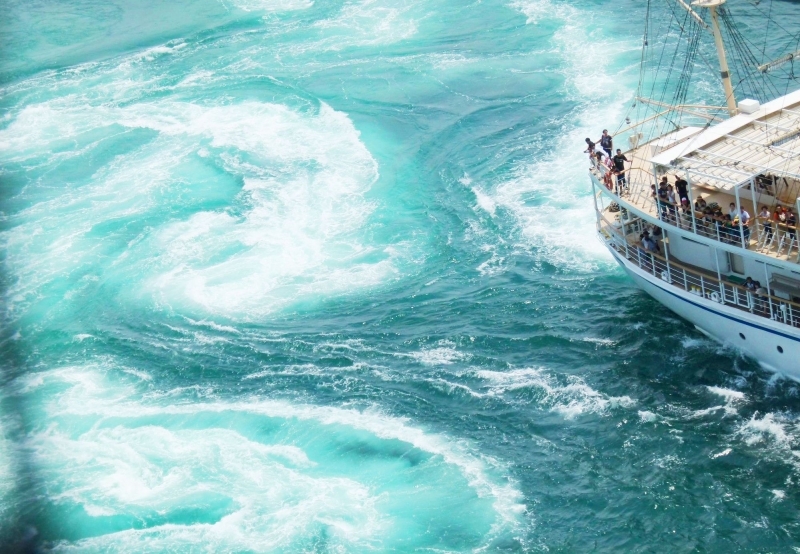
x=686, y=213
x=650, y=244
x=764, y=218
x=780, y=215
x=700, y=203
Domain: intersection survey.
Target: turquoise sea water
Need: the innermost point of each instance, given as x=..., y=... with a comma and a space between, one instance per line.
x=295, y=276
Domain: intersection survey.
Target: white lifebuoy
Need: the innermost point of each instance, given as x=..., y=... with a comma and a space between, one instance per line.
x=714, y=297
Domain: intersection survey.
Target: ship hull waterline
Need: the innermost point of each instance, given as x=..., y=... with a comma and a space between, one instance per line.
x=756, y=336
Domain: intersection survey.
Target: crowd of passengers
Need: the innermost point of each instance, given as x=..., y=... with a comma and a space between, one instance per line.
x=731, y=227
x=674, y=206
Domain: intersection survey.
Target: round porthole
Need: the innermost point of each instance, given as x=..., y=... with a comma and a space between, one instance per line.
x=780, y=349
x=742, y=335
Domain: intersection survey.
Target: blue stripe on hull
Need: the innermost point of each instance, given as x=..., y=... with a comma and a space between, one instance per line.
x=726, y=316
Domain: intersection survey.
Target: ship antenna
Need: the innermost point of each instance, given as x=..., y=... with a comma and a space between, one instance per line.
x=724, y=72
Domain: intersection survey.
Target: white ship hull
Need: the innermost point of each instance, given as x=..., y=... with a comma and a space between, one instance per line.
x=763, y=338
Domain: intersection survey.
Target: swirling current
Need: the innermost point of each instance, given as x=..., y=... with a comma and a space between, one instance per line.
x=322, y=276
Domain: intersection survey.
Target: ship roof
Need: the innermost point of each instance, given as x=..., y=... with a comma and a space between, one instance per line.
x=732, y=152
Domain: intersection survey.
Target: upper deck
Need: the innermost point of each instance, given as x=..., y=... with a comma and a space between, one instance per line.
x=750, y=160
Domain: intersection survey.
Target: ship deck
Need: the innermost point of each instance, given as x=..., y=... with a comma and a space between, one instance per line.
x=690, y=278
x=750, y=160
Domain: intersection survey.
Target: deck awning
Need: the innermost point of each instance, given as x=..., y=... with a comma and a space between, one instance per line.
x=731, y=153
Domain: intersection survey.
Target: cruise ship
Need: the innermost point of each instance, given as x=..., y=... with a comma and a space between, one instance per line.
x=726, y=257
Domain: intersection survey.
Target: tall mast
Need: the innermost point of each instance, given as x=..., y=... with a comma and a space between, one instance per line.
x=723, y=61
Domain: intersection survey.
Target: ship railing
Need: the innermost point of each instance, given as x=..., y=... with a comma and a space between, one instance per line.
x=701, y=284
x=765, y=236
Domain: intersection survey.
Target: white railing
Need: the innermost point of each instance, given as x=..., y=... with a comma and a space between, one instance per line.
x=767, y=237
x=700, y=284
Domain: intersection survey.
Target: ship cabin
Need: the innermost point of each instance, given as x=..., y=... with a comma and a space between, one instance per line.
x=739, y=219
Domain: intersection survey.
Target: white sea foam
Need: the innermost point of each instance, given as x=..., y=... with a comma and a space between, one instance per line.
x=444, y=353
x=647, y=416
x=730, y=396
x=550, y=196
x=596, y=340
x=769, y=428
x=569, y=396
x=484, y=201
x=733, y=399
x=130, y=469
x=295, y=234
x=720, y=454
x=367, y=23
x=271, y=5
x=148, y=469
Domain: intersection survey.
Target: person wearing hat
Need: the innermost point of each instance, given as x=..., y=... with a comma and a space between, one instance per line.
x=700, y=203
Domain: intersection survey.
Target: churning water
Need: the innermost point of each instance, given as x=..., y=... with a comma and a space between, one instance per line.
x=321, y=276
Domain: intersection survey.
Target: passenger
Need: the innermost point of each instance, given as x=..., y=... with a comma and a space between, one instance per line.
x=791, y=223
x=619, y=166
x=656, y=232
x=763, y=215
x=762, y=296
x=750, y=285
x=686, y=212
x=607, y=179
x=707, y=221
x=733, y=212
x=648, y=243
x=780, y=215
x=671, y=202
x=590, y=148
x=606, y=142
x=700, y=203
x=745, y=216
x=744, y=231
x=663, y=189
x=682, y=186
x=598, y=160
x=727, y=233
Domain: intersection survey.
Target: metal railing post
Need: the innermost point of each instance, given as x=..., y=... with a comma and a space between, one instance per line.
x=769, y=292
x=739, y=210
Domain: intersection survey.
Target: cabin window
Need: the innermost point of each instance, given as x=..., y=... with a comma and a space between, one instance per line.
x=737, y=263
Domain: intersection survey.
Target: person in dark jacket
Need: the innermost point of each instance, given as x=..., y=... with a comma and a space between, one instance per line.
x=606, y=142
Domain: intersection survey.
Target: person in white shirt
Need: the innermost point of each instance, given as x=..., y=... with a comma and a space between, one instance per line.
x=764, y=216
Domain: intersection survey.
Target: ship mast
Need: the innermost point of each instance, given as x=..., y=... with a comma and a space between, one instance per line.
x=723, y=61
